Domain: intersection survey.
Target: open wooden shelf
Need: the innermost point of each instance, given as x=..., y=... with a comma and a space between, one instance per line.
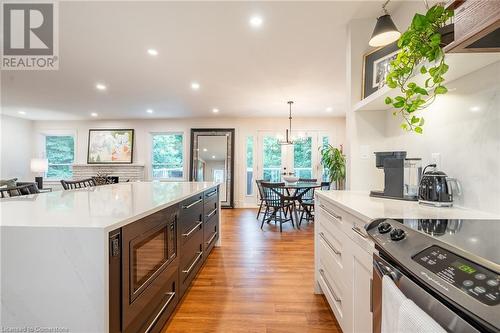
x=460, y=65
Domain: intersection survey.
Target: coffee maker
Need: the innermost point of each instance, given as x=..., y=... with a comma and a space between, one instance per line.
x=401, y=175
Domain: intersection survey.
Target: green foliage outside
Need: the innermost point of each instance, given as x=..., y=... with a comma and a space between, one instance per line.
x=167, y=154
x=249, y=151
x=60, y=151
x=302, y=158
x=420, y=43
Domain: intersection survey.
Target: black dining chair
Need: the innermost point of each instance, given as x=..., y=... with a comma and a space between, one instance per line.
x=325, y=186
x=17, y=191
x=73, y=184
x=278, y=206
x=261, y=196
x=307, y=205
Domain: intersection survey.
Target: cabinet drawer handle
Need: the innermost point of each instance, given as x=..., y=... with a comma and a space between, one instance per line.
x=198, y=257
x=338, y=217
x=330, y=245
x=192, y=230
x=211, y=194
x=192, y=204
x=170, y=298
x=212, y=213
x=359, y=232
x=335, y=297
x=212, y=238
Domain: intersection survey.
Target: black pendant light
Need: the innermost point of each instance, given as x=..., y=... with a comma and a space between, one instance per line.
x=288, y=140
x=385, y=31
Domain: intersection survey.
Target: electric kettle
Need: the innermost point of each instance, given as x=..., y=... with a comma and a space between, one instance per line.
x=436, y=189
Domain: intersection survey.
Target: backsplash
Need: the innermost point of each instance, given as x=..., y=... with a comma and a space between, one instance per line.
x=463, y=126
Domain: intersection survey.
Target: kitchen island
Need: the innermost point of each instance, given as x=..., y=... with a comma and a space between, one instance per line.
x=344, y=251
x=56, y=256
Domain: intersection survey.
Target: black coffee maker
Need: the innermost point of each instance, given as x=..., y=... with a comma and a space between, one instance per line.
x=401, y=175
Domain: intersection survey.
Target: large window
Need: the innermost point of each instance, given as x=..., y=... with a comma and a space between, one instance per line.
x=250, y=165
x=168, y=157
x=272, y=159
x=325, y=175
x=60, y=152
x=302, y=158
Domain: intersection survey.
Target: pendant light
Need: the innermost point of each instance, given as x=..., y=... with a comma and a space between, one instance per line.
x=288, y=133
x=385, y=30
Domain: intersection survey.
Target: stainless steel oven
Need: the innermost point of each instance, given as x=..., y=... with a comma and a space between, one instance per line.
x=448, y=268
x=145, y=268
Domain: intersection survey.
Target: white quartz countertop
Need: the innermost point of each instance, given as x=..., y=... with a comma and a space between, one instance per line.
x=361, y=205
x=106, y=207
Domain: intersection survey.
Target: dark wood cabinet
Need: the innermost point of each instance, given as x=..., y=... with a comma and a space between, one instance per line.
x=154, y=260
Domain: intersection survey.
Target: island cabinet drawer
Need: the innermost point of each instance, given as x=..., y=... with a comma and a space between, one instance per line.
x=210, y=234
x=210, y=210
x=211, y=198
x=153, y=320
x=190, y=217
x=191, y=260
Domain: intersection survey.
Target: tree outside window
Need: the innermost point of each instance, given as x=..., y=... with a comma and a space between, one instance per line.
x=60, y=152
x=168, y=156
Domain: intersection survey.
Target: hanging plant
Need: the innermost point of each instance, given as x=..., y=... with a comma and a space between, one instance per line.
x=420, y=43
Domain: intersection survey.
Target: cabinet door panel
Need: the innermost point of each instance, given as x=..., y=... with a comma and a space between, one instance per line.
x=362, y=268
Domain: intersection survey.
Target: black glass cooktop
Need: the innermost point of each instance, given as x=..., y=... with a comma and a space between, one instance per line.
x=478, y=237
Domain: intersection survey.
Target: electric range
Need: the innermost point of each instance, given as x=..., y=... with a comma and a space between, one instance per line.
x=455, y=261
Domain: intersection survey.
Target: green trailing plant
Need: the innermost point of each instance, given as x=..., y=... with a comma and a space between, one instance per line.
x=420, y=43
x=333, y=159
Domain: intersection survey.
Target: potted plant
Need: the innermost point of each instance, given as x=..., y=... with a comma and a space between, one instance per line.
x=422, y=44
x=333, y=159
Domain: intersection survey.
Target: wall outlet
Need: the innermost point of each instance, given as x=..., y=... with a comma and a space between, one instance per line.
x=436, y=159
x=364, y=152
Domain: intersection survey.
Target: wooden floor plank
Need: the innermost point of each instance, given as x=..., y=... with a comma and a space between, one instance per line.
x=259, y=281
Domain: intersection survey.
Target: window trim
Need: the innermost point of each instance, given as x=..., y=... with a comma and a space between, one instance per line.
x=182, y=134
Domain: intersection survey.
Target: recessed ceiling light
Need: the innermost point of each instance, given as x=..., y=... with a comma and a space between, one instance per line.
x=215, y=110
x=329, y=109
x=150, y=111
x=21, y=112
x=195, y=86
x=256, y=21
x=205, y=149
x=213, y=156
x=475, y=108
x=93, y=114
x=152, y=52
x=101, y=86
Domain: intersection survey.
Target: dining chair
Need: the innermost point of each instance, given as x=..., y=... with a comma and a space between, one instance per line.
x=325, y=186
x=307, y=205
x=278, y=206
x=73, y=184
x=261, y=196
x=7, y=192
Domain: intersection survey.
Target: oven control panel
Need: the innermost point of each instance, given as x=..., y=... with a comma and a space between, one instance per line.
x=475, y=280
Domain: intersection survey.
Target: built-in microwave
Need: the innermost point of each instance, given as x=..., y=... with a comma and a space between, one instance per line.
x=143, y=272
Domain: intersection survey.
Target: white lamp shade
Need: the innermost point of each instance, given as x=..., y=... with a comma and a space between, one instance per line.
x=39, y=164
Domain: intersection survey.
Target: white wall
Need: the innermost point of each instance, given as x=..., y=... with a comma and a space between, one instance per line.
x=467, y=141
x=334, y=126
x=16, y=148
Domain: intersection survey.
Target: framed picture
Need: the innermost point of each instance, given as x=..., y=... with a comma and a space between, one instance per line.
x=376, y=65
x=110, y=146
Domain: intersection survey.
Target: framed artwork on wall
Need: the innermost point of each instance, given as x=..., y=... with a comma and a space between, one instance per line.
x=376, y=65
x=110, y=146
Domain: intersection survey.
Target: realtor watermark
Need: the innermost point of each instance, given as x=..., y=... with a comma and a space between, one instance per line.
x=34, y=329
x=30, y=35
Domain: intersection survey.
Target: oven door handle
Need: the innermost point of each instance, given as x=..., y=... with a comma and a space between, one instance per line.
x=383, y=269
x=155, y=319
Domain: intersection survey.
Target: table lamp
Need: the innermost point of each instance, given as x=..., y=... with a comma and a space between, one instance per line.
x=39, y=165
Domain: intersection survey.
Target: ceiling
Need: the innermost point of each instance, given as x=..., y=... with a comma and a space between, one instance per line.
x=298, y=53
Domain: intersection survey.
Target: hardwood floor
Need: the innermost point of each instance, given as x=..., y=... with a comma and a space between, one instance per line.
x=258, y=281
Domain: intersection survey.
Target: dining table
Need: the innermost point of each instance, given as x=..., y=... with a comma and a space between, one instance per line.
x=296, y=192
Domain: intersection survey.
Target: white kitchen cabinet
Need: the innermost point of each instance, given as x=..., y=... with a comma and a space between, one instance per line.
x=343, y=266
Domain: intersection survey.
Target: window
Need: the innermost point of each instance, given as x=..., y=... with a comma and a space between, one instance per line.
x=271, y=166
x=325, y=174
x=250, y=165
x=302, y=158
x=60, y=152
x=168, y=157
